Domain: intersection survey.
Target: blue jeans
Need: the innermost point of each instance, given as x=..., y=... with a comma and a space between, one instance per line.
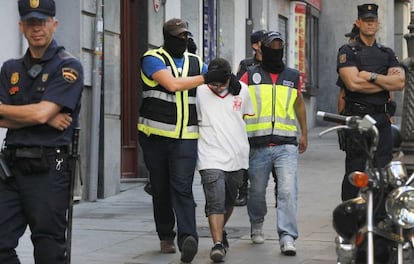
x=284, y=159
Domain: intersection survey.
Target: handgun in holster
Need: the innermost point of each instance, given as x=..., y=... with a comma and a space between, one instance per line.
x=5, y=172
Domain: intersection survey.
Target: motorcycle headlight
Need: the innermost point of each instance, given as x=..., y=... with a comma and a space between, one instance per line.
x=400, y=206
x=396, y=173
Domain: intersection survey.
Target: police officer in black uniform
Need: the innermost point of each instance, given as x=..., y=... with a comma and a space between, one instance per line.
x=370, y=72
x=40, y=101
x=255, y=39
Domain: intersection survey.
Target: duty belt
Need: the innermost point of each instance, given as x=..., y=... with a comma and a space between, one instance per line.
x=62, y=149
x=358, y=108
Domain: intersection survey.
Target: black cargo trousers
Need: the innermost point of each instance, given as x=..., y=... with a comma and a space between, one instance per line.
x=36, y=196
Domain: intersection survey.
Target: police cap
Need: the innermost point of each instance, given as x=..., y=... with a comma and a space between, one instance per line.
x=40, y=9
x=368, y=11
x=175, y=27
x=256, y=36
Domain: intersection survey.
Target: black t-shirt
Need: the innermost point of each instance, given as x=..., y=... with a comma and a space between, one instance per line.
x=376, y=58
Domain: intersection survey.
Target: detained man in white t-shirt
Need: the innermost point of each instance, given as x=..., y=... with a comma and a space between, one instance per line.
x=223, y=149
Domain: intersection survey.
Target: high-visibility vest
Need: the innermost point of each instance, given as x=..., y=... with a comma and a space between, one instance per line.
x=165, y=113
x=273, y=103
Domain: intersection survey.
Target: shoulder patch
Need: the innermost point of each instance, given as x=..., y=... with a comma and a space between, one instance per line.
x=288, y=83
x=342, y=58
x=69, y=74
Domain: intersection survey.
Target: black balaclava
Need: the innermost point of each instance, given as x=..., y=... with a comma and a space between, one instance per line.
x=175, y=46
x=272, y=59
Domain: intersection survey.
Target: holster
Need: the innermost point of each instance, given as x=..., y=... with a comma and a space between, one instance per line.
x=342, y=139
x=29, y=160
x=5, y=172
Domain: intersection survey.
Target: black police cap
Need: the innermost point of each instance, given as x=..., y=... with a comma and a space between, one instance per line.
x=256, y=36
x=40, y=9
x=368, y=11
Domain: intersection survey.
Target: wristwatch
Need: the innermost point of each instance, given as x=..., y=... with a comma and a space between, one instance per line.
x=373, y=77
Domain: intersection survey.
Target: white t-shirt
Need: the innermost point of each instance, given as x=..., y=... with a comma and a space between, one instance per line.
x=223, y=142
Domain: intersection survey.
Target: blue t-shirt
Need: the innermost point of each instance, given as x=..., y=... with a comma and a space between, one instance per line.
x=151, y=65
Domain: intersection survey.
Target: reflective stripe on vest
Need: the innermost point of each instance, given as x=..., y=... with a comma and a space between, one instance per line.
x=273, y=104
x=166, y=113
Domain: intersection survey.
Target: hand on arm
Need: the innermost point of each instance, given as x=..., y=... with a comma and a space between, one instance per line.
x=393, y=81
x=28, y=115
x=356, y=81
x=61, y=121
x=172, y=84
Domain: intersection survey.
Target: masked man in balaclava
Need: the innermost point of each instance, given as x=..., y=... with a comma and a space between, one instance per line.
x=274, y=140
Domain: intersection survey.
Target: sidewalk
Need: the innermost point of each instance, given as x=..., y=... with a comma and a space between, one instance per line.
x=120, y=229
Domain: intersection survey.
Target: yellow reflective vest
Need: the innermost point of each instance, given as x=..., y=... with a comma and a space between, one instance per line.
x=165, y=113
x=273, y=104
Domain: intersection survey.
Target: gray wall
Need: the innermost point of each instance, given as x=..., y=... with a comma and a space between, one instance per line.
x=111, y=173
x=77, y=33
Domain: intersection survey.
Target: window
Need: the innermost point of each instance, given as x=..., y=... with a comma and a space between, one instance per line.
x=312, y=47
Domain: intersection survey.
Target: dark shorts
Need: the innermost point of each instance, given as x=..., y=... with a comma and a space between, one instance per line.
x=220, y=189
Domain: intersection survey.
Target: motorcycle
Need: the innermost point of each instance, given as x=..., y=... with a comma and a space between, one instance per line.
x=362, y=238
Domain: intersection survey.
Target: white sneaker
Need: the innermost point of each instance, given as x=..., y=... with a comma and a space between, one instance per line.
x=288, y=248
x=257, y=237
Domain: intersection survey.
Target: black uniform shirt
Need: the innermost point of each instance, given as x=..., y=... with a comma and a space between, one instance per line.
x=244, y=64
x=376, y=58
x=59, y=80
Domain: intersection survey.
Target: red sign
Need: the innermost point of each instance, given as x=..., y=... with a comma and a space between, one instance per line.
x=316, y=3
x=300, y=35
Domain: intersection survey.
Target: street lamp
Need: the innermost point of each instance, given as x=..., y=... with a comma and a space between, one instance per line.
x=407, y=119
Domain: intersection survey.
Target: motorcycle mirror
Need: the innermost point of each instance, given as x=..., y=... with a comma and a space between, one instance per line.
x=359, y=179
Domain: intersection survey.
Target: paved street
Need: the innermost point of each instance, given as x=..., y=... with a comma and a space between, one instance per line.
x=120, y=229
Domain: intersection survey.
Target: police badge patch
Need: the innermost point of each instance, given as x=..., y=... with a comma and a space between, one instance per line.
x=342, y=58
x=14, y=79
x=34, y=4
x=69, y=74
x=257, y=78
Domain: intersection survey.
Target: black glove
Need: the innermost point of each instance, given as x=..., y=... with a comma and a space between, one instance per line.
x=234, y=85
x=217, y=76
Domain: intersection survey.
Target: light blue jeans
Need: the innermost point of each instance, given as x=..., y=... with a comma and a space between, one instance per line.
x=284, y=158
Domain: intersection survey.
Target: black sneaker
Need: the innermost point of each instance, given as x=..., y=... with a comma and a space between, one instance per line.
x=218, y=253
x=225, y=241
x=189, y=249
